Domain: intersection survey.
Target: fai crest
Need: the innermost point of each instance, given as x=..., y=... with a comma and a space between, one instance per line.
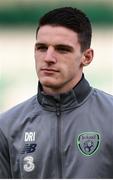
x=88, y=143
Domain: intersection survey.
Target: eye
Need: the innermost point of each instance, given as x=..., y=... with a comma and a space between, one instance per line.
x=41, y=48
x=63, y=49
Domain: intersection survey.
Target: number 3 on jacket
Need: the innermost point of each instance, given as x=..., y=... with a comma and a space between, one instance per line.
x=29, y=164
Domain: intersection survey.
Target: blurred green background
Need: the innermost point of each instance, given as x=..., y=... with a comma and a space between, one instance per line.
x=18, y=22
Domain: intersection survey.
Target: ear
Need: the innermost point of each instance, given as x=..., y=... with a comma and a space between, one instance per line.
x=87, y=57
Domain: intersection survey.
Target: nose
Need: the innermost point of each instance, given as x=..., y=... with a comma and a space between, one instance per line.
x=50, y=55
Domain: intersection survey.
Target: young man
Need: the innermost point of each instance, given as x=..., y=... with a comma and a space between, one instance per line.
x=66, y=130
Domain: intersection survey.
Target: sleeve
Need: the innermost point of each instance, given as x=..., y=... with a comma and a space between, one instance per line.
x=5, y=168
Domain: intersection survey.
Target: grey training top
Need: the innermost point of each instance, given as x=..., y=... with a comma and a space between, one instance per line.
x=64, y=136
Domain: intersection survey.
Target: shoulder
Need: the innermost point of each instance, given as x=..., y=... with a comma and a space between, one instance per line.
x=103, y=94
x=102, y=98
x=19, y=113
x=20, y=107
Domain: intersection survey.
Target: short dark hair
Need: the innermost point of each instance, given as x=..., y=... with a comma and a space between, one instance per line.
x=71, y=18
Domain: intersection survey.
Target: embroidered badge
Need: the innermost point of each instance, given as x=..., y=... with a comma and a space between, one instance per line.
x=88, y=143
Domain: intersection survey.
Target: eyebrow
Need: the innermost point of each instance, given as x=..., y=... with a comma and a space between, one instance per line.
x=65, y=46
x=40, y=44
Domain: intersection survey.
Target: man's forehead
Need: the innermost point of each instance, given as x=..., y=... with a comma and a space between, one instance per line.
x=56, y=34
x=56, y=30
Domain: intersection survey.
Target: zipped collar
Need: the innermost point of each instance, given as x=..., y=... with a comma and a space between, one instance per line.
x=67, y=100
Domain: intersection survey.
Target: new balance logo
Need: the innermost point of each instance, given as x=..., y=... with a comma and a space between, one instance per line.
x=29, y=148
x=29, y=136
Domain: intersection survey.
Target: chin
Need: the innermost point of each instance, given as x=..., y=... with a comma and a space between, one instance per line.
x=48, y=83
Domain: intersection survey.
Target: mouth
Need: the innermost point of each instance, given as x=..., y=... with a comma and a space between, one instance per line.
x=49, y=70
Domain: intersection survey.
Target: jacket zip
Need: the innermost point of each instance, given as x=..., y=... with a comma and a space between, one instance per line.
x=59, y=159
